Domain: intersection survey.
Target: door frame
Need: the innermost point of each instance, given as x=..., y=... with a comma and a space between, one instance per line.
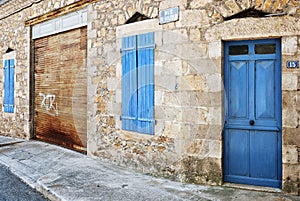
x=277, y=82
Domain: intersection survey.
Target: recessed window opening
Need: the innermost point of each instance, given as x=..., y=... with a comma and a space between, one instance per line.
x=9, y=50
x=137, y=17
x=253, y=13
x=238, y=49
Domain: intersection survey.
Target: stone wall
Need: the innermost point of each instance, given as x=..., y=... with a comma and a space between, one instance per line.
x=290, y=115
x=15, y=35
x=187, y=144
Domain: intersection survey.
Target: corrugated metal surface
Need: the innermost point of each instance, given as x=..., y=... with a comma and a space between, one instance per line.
x=61, y=89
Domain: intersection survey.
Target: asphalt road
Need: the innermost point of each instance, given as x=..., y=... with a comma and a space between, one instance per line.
x=13, y=189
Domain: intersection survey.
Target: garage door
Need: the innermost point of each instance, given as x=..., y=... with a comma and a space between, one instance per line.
x=61, y=89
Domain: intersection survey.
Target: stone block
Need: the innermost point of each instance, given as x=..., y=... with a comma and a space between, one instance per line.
x=141, y=27
x=223, y=11
x=195, y=115
x=196, y=18
x=214, y=82
x=168, y=113
x=113, y=57
x=158, y=67
x=215, y=116
x=198, y=147
x=289, y=81
x=289, y=100
x=166, y=82
x=179, y=146
x=200, y=99
x=199, y=3
x=195, y=35
x=171, y=99
x=190, y=51
x=244, y=4
x=184, y=98
x=158, y=37
x=215, y=49
x=290, y=154
x=201, y=66
x=119, y=69
x=119, y=96
x=154, y=13
x=289, y=118
x=290, y=136
x=158, y=96
x=112, y=83
x=268, y=5
x=173, y=3
x=114, y=108
x=232, y=6
x=289, y=45
x=175, y=36
x=173, y=67
x=192, y=82
x=290, y=186
x=171, y=129
x=215, y=149
x=290, y=171
x=279, y=4
x=201, y=170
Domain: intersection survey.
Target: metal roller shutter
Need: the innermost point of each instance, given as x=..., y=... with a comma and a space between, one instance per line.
x=61, y=89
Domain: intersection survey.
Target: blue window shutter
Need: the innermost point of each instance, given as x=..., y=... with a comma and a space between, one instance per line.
x=145, y=70
x=129, y=83
x=6, y=86
x=11, y=85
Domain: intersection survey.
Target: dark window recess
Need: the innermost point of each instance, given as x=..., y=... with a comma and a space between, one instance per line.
x=9, y=50
x=265, y=49
x=136, y=18
x=238, y=50
x=248, y=13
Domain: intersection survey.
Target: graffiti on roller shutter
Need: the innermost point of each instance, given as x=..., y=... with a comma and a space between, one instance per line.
x=48, y=103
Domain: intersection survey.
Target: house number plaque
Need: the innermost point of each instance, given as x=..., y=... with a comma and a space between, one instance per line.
x=292, y=64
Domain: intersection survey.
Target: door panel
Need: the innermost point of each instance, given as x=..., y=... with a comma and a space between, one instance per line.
x=238, y=90
x=263, y=154
x=235, y=154
x=252, y=130
x=265, y=89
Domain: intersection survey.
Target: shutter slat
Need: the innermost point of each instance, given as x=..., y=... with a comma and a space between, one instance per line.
x=6, y=86
x=11, y=85
x=146, y=83
x=129, y=83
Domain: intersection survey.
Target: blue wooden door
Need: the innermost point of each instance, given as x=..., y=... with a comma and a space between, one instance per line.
x=252, y=129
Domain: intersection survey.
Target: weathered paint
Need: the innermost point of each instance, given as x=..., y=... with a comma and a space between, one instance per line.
x=252, y=138
x=188, y=88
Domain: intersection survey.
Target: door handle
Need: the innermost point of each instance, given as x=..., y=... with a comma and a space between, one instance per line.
x=251, y=122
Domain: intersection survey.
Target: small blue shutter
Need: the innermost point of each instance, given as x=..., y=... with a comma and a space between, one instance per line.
x=11, y=85
x=145, y=70
x=129, y=83
x=6, y=86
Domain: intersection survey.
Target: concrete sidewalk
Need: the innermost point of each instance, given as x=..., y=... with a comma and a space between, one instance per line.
x=62, y=174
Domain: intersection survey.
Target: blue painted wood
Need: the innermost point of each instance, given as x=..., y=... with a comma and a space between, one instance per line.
x=6, y=86
x=11, y=85
x=252, y=153
x=263, y=154
x=235, y=154
x=138, y=83
x=146, y=83
x=238, y=93
x=129, y=83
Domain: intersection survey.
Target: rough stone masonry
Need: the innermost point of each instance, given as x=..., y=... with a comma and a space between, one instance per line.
x=189, y=102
